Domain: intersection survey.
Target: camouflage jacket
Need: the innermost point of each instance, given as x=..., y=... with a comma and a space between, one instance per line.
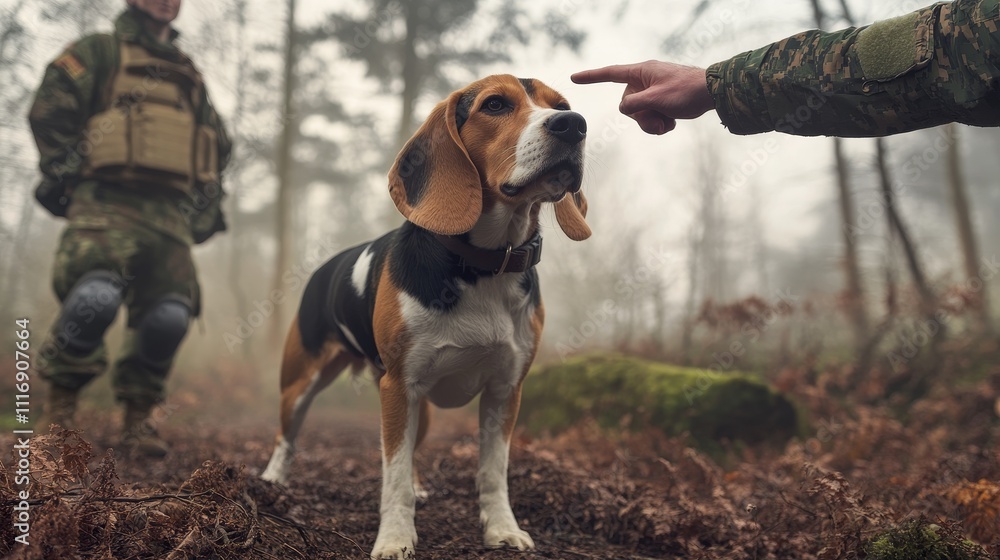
x=71, y=93
x=936, y=65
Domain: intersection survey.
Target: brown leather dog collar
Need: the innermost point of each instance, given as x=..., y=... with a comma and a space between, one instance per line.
x=496, y=261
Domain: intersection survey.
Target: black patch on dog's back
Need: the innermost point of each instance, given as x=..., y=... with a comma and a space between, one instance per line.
x=353, y=311
x=330, y=298
x=425, y=270
x=312, y=321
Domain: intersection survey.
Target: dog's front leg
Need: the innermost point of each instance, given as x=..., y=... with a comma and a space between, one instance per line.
x=498, y=409
x=397, y=536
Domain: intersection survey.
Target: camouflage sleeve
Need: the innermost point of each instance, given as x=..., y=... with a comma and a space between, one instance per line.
x=62, y=105
x=936, y=65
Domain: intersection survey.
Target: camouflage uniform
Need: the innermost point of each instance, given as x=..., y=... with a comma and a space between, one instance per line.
x=933, y=66
x=143, y=234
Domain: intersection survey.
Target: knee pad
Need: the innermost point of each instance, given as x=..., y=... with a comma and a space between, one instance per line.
x=161, y=331
x=89, y=310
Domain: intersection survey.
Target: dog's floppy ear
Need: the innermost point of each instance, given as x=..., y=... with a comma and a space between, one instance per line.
x=433, y=182
x=570, y=213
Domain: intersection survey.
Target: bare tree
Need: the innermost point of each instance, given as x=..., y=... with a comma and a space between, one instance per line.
x=760, y=253
x=928, y=301
x=963, y=219
x=238, y=13
x=286, y=197
x=690, y=300
x=707, y=259
x=854, y=295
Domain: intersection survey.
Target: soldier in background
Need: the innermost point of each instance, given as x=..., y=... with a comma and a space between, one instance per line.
x=131, y=154
x=936, y=65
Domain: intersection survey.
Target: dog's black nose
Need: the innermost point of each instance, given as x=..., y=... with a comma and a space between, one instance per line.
x=567, y=126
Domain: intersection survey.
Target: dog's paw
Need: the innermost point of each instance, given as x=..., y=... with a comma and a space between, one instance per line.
x=394, y=544
x=275, y=475
x=390, y=550
x=508, y=537
x=280, y=463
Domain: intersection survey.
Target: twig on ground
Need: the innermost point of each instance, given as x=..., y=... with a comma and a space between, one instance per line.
x=291, y=523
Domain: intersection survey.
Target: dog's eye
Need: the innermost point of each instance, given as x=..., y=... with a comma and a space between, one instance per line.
x=496, y=104
x=562, y=106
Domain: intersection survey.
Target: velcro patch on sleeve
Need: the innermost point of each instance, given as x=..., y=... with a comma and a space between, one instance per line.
x=889, y=48
x=71, y=64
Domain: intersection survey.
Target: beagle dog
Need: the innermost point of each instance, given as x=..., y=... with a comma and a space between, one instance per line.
x=447, y=306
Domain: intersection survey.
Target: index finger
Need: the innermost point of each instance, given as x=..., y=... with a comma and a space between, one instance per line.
x=618, y=73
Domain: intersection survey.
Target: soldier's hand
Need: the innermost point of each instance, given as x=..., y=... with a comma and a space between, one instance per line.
x=656, y=93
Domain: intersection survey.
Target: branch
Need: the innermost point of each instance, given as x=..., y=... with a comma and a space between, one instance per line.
x=301, y=527
x=124, y=499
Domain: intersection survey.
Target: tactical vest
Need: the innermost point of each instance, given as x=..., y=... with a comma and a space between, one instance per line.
x=147, y=132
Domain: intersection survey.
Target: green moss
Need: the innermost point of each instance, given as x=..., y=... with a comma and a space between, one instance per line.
x=918, y=539
x=617, y=391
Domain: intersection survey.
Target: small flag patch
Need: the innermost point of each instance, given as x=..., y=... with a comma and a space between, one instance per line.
x=71, y=65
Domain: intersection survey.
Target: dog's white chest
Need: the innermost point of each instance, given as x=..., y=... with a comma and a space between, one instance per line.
x=485, y=339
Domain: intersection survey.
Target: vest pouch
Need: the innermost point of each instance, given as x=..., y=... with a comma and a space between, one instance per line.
x=162, y=139
x=206, y=160
x=107, y=138
x=138, y=88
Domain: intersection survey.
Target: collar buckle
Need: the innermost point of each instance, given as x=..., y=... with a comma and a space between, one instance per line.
x=506, y=259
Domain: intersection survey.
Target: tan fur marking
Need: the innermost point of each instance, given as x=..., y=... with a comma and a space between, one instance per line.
x=391, y=337
x=392, y=394
x=298, y=367
x=425, y=421
x=546, y=96
x=514, y=402
x=393, y=345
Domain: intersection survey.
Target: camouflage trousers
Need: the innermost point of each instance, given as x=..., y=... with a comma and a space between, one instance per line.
x=152, y=265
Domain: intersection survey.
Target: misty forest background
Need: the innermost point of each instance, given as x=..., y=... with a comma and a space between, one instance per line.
x=896, y=258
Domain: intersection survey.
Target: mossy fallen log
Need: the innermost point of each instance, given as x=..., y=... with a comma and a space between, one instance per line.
x=616, y=391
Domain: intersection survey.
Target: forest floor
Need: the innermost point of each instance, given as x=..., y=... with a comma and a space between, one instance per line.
x=584, y=494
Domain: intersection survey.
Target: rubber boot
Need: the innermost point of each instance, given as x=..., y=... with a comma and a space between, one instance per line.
x=139, y=436
x=61, y=408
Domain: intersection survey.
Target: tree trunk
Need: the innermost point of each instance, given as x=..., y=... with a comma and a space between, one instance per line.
x=21, y=241
x=660, y=311
x=966, y=232
x=286, y=199
x=411, y=75
x=760, y=256
x=855, y=299
x=694, y=258
x=928, y=301
x=14, y=41
x=236, y=233
x=854, y=296
x=713, y=233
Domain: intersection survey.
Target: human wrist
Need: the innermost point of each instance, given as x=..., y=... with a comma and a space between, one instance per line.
x=701, y=91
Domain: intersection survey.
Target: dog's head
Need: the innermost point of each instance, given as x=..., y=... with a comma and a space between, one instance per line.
x=500, y=139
